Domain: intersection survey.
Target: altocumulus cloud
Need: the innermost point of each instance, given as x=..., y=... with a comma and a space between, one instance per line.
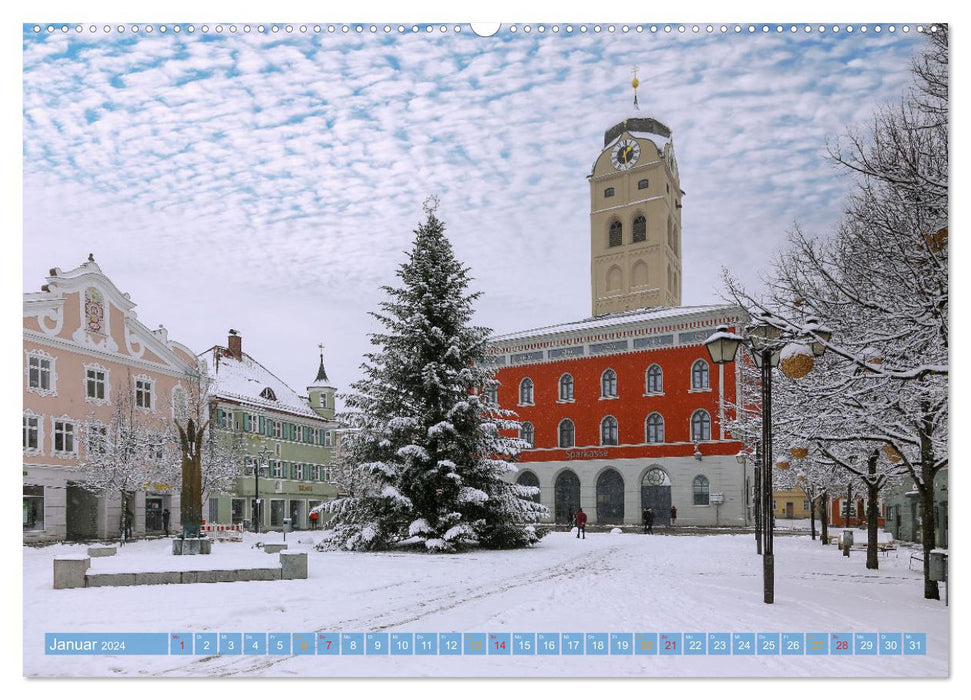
x=277, y=179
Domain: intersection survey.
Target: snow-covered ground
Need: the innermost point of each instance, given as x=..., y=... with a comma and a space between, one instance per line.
x=605, y=583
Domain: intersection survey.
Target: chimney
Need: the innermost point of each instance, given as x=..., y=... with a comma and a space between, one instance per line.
x=235, y=344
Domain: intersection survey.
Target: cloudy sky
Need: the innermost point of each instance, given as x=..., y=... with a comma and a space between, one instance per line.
x=270, y=182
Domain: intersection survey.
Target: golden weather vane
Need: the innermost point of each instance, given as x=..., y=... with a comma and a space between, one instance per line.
x=634, y=83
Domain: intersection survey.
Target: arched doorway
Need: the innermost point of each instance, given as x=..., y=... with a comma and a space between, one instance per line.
x=610, y=498
x=566, y=497
x=529, y=479
x=656, y=494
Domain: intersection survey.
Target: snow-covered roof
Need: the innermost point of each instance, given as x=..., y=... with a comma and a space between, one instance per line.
x=620, y=319
x=245, y=380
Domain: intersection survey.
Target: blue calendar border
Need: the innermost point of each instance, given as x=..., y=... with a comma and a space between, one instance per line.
x=489, y=644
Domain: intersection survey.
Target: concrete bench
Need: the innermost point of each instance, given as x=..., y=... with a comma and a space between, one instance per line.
x=102, y=551
x=274, y=548
x=72, y=572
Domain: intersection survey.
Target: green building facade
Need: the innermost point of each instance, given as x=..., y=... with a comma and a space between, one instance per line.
x=291, y=437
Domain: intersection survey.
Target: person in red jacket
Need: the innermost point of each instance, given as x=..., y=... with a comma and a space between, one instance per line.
x=581, y=518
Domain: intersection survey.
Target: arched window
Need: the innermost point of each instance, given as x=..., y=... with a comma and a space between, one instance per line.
x=491, y=393
x=654, y=428
x=608, y=383
x=699, y=375
x=268, y=394
x=567, y=433
x=616, y=234
x=654, y=380
x=608, y=431
x=528, y=433
x=526, y=391
x=640, y=229
x=700, y=426
x=530, y=479
x=566, y=387
x=700, y=489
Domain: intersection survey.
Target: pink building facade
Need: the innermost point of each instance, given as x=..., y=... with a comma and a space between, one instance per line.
x=84, y=347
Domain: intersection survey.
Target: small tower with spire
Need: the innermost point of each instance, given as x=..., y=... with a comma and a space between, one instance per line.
x=321, y=392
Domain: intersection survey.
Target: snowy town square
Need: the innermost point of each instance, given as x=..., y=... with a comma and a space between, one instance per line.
x=451, y=351
x=607, y=583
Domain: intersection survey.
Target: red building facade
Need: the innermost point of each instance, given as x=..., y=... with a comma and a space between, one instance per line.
x=626, y=412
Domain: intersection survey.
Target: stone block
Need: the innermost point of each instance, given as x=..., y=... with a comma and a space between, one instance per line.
x=191, y=545
x=258, y=574
x=98, y=580
x=274, y=548
x=154, y=578
x=69, y=572
x=102, y=551
x=216, y=576
x=294, y=565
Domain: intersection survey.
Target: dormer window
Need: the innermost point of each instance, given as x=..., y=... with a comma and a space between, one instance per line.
x=268, y=394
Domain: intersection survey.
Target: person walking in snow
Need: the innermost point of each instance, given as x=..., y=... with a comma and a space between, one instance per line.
x=674, y=514
x=581, y=520
x=165, y=521
x=314, y=515
x=644, y=517
x=649, y=523
x=128, y=522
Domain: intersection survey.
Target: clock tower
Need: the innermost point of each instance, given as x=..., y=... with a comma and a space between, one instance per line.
x=635, y=219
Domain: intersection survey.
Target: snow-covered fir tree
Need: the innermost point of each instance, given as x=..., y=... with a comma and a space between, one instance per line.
x=424, y=435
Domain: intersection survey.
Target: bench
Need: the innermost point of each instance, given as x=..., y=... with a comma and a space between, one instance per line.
x=102, y=551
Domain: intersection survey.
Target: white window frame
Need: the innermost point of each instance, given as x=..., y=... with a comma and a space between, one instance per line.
x=106, y=399
x=254, y=423
x=276, y=469
x=42, y=356
x=277, y=429
x=615, y=429
x=39, y=428
x=604, y=394
x=647, y=429
x=691, y=426
x=298, y=472
x=707, y=375
x=328, y=438
x=529, y=435
x=147, y=389
x=67, y=421
x=228, y=420
x=323, y=400
x=532, y=392
x=647, y=380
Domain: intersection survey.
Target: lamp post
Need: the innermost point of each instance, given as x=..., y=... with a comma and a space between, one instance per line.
x=766, y=341
x=258, y=506
x=742, y=458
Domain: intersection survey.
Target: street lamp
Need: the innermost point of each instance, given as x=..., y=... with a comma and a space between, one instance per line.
x=767, y=342
x=261, y=463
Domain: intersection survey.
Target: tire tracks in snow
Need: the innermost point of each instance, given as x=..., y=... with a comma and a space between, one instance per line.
x=590, y=563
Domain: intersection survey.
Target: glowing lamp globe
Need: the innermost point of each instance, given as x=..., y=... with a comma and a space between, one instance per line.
x=796, y=360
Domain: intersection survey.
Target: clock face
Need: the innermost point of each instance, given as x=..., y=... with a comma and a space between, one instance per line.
x=625, y=154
